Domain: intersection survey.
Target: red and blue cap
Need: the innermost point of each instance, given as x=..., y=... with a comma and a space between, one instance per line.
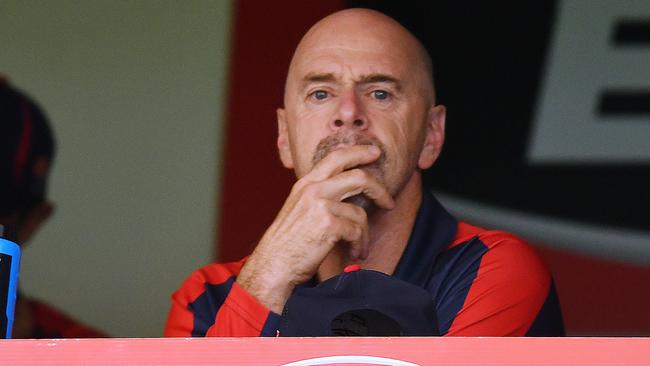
x=359, y=303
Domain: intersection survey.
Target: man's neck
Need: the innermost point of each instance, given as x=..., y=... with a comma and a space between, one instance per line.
x=389, y=235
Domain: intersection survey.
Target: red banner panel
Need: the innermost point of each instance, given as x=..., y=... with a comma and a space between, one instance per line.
x=328, y=351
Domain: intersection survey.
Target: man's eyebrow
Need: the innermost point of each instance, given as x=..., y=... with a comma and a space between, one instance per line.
x=317, y=78
x=379, y=78
x=364, y=79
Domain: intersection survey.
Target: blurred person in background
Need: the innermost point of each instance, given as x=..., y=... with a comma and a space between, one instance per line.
x=26, y=155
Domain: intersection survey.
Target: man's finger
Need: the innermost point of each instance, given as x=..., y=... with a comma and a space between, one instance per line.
x=354, y=182
x=343, y=159
x=348, y=211
x=357, y=215
x=355, y=236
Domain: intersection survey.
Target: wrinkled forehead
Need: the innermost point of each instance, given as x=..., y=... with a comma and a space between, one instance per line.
x=345, y=62
x=359, y=43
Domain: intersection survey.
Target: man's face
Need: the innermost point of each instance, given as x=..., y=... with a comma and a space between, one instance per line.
x=349, y=87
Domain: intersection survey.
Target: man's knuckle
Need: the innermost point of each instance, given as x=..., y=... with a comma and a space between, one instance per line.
x=298, y=186
x=310, y=190
x=321, y=206
x=327, y=222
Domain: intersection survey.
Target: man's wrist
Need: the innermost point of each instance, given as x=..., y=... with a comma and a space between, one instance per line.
x=270, y=289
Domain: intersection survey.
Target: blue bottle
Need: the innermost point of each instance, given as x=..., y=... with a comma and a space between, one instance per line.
x=9, y=269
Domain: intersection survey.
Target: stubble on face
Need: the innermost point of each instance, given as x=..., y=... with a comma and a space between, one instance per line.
x=376, y=169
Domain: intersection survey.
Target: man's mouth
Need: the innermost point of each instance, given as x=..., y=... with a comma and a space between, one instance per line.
x=338, y=142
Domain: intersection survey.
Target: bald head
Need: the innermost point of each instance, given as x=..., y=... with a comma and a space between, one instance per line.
x=364, y=30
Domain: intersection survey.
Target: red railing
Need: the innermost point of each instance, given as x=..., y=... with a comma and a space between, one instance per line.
x=327, y=351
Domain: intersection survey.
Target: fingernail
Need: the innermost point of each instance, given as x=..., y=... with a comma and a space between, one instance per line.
x=374, y=149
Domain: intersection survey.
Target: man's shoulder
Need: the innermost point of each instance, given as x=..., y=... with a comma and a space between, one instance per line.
x=483, y=273
x=467, y=233
x=495, y=246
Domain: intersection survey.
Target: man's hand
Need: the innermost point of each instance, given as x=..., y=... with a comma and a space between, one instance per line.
x=312, y=220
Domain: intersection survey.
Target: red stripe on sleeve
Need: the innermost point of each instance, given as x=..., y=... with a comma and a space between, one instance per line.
x=180, y=320
x=508, y=292
x=241, y=315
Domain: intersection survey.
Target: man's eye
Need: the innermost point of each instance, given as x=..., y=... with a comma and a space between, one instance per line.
x=320, y=94
x=380, y=94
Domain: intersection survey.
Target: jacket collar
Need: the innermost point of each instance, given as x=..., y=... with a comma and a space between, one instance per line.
x=433, y=231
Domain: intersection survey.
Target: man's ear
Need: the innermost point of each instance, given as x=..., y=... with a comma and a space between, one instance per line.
x=434, y=137
x=284, y=148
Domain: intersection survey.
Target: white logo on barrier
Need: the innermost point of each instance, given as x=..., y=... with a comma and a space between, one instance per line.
x=367, y=360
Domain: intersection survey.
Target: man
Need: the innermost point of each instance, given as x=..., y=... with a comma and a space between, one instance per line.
x=26, y=153
x=358, y=127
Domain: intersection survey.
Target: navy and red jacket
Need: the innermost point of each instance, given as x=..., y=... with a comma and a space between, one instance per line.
x=484, y=282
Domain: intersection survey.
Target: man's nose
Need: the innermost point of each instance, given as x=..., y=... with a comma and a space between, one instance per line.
x=350, y=114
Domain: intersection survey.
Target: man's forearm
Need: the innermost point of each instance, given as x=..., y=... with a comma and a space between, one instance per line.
x=270, y=288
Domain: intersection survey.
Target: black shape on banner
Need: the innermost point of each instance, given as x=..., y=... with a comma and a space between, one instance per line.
x=624, y=102
x=632, y=32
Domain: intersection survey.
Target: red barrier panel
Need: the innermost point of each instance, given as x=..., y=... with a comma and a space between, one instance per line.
x=327, y=351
